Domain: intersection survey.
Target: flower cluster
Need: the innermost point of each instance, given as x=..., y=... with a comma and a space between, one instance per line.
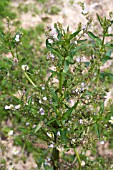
x=12, y=107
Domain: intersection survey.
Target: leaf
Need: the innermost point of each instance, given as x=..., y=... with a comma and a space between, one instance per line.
x=101, y=109
x=74, y=51
x=69, y=111
x=30, y=100
x=108, y=54
x=1, y=34
x=97, y=130
x=63, y=133
x=87, y=64
x=58, y=31
x=110, y=46
x=108, y=35
x=103, y=75
x=54, y=51
x=111, y=21
x=74, y=34
x=66, y=66
x=8, y=61
x=94, y=37
x=99, y=19
x=39, y=126
x=54, y=95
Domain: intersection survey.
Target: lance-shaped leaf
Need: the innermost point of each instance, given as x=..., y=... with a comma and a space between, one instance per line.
x=107, y=57
x=54, y=51
x=39, y=126
x=75, y=50
x=66, y=66
x=94, y=37
x=63, y=133
x=74, y=34
x=97, y=129
x=99, y=19
x=67, y=114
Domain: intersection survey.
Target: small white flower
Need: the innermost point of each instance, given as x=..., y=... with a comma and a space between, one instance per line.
x=111, y=121
x=58, y=133
x=43, y=88
x=50, y=41
x=45, y=98
x=27, y=123
x=51, y=145
x=42, y=111
x=11, y=106
x=54, y=32
x=53, y=68
x=25, y=67
x=11, y=167
x=81, y=121
x=40, y=101
x=52, y=56
x=17, y=107
x=102, y=142
x=83, y=163
x=33, y=126
x=84, y=27
x=10, y=133
x=50, y=134
x=85, y=11
x=109, y=30
x=15, y=151
x=78, y=60
x=17, y=38
x=6, y=107
x=82, y=84
x=73, y=141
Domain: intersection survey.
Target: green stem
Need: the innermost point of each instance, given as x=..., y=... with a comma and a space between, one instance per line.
x=60, y=83
x=78, y=158
x=55, y=158
x=12, y=52
x=29, y=79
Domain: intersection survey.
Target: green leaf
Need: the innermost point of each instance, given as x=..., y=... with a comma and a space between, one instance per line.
x=1, y=34
x=39, y=126
x=101, y=111
x=97, y=129
x=94, y=37
x=103, y=75
x=63, y=133
x=109, y=35
x=8, y=61
x=75, y=50
x=54, y=94
x=58, y=31
x=108, y=54
x=66, y=66
x=111, y=21
x=87, y=64
x=99, y=19
x=30, y=100
x=110, y=46
x=67, y=114
x=54, y=51
x=69, y=58
x=74, y=34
